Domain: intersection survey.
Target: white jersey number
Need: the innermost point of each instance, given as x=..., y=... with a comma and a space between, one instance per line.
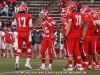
x=78, y=17
x=46, y=30
x=24, y=21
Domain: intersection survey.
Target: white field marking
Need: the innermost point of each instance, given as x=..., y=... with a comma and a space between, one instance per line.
x=13, y=72
x=19, y=62
x=34, y=62
x=16, y=71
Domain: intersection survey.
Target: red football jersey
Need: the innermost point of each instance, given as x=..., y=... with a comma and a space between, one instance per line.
x=8, y=38
x=95, y=27
x=47, y=26
x=87, y=19
x=23, y=21
x=64, y=23
x=76, y=18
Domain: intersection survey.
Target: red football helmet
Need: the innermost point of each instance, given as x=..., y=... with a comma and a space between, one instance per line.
x=72, y=6
x=63, y=12
x=86, y=10
x=23, y=8
x=96, y=12
x=43, y=14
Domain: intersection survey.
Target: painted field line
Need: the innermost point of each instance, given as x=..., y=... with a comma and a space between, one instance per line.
x=22, y=71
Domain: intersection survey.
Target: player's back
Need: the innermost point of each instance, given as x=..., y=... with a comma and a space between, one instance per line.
x=23, y=21
x=76, y=18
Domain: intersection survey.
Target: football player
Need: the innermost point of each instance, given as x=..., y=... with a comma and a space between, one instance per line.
x=72, y=36
x=94, y=35
x=47, y=23
x=23, y=20
x=63, y=20
x=86, y=35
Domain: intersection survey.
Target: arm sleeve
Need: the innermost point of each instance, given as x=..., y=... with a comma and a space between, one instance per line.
x=30, y=23
x=53, y=22
x=14, y=22
x=69, y=17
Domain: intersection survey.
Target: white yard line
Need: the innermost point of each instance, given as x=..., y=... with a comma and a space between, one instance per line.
x=33, y=71
x=19, y=62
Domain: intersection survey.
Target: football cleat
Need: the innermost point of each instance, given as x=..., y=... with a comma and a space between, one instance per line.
x=90, y=67
x=16, y=66
x=67, y=68
x=80, y=68
x=41, y=68
x=96, y=67
x=48, y=69
x=28, y=66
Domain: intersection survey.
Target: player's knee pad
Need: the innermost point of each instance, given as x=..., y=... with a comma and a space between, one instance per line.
x=29, y=53
x=18, y=52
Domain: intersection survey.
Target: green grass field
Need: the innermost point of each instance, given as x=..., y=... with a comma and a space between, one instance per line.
x=7, y=68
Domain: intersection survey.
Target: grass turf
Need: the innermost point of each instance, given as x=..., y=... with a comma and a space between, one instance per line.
x=7, y=68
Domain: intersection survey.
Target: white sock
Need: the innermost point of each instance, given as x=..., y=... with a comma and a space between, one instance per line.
x=79, y=65
x=27, y=60
x=43, y=64
x=17, y=59
x=70, y=65
x=50, y=65
x=86, y=63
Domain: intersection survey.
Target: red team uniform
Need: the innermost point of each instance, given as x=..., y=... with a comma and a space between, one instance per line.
x=86, y=35
x=64, y=23
x=23, y=29
x=47, y=24
x=73, y=36
x=49, y=37
x=23, y=20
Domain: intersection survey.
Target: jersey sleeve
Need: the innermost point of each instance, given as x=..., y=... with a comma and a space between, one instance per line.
x=30, y=22
x=69, y=17
x=14, y=23
x=51, y=20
